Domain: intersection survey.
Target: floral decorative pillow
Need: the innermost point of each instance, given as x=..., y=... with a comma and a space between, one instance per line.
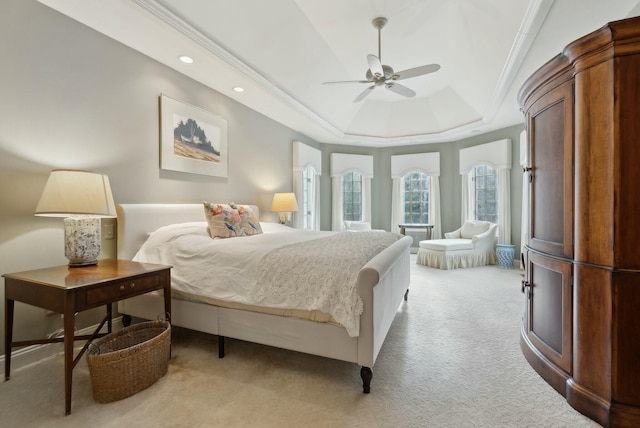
x=223, y=220
x=248, y=219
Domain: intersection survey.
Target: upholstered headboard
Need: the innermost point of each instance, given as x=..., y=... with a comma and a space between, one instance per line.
x=136, y=221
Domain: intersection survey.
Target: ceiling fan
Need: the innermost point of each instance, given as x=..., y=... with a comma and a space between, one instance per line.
x=383, y=75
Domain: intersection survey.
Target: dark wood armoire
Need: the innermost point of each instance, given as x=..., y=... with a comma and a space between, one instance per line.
x=581, y=327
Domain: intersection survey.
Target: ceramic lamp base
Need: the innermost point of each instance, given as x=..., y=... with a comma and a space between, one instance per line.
x=284, y=218
x=82, y=240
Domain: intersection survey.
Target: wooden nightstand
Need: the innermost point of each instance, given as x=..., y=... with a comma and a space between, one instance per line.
x=69, y=290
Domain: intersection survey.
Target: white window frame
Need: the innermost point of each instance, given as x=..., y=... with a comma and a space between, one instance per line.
x=307, y=203
x=346, y=216
x=424, y=206
x=481, y=187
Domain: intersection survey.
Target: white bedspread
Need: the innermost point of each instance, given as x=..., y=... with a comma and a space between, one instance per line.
x=239, y=270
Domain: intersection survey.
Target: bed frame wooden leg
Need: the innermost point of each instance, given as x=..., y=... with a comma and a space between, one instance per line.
x=366, y=374
x=220, y=346
x=406, y=295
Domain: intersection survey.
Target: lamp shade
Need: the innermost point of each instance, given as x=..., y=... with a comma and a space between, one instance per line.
x=70, y=192
x=284, y=202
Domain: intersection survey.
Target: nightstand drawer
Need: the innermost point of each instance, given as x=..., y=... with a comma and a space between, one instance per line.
x=123, y=289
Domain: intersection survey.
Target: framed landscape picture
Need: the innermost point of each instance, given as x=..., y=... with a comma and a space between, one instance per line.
x=192, y=140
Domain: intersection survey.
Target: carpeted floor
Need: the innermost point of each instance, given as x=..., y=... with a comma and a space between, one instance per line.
x=452, y=359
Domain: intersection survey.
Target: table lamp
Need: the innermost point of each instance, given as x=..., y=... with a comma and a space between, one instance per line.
x=82, y=198
x=284, y=204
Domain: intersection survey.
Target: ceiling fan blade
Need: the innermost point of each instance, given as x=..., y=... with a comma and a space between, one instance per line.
x=417, y=71
x=399, y=89
x=375, y=65
x=364, y=93
x=346, y=81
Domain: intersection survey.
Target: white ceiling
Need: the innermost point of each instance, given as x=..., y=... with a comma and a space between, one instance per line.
x=281, y=51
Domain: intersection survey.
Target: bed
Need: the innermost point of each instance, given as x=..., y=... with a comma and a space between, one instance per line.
x=381, y=284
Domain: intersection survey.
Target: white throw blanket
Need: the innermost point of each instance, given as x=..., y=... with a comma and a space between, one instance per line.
x=320, y=275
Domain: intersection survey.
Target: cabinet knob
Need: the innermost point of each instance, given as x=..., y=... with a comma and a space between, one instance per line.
x=133, y=285
x=526, y=169
x=122, y=288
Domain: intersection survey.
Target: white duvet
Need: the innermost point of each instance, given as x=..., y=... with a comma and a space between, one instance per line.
x=220, y=268
x=280, y=268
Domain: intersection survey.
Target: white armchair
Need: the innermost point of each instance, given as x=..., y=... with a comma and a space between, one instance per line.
x=473, y=244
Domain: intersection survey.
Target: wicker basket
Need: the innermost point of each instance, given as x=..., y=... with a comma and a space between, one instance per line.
x=128, y=361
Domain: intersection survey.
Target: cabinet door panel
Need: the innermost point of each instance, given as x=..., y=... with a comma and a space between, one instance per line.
x=550, y=308
x=550, y=124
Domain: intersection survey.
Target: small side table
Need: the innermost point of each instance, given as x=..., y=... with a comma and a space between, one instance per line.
x=419, y=226
x=68, y=290
x=505, y=254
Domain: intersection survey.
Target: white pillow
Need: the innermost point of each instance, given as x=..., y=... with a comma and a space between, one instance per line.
x=472, y=228
x=358, y=226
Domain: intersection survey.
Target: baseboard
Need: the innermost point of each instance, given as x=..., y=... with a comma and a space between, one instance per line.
x=34, y=354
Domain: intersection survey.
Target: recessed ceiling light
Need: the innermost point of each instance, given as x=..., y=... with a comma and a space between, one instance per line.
x=238, y=89
x=186, y=59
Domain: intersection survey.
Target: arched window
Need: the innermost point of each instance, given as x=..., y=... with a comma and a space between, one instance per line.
x=416, y=197
x=306, y=205
x=352, y=196
x=351, y=177
x=486, y=194
x=486, y=185
x=307, y=167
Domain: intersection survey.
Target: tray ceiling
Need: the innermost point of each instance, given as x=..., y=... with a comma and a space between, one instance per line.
x=280, y=52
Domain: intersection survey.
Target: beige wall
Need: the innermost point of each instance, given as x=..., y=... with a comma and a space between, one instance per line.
x=73, y=98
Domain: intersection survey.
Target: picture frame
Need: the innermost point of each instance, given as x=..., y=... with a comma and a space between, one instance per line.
x=192, y=140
